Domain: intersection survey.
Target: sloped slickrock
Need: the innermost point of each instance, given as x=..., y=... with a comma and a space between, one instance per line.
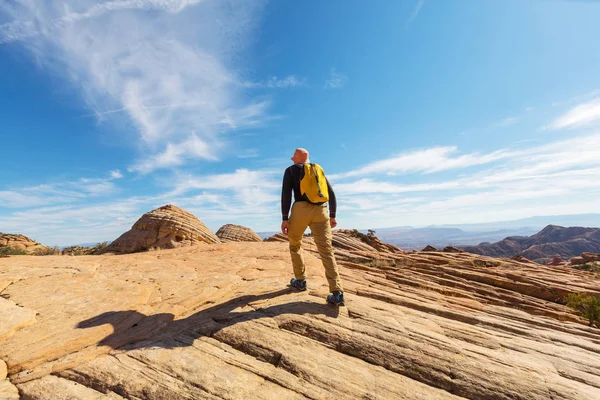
x=7, y=389
x=351, y=245
x=237, y=233
x=13, y=317
x=167, y=227
x=21, y=242
x=522, y=259
x=3, y=370
x=214, y=322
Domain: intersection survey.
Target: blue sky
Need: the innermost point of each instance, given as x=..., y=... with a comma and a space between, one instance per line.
x=420, y=111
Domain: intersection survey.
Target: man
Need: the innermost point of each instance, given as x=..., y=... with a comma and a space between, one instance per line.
x=314, y=214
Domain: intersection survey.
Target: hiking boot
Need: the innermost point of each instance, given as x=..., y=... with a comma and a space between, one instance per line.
x=336, y=298
x=300, y=285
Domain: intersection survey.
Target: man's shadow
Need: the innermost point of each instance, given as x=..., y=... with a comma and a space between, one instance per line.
x=139, y=330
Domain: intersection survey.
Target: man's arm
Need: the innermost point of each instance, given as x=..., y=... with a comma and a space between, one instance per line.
x=286, y=194
x=332, y=200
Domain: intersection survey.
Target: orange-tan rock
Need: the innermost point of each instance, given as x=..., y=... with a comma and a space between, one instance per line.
x=556, y=261
x=21, y=242
x=237, y=233
x=166, y=227
x=218, y=321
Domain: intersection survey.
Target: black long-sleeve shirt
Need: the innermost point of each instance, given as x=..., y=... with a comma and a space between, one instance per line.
x=291, y=183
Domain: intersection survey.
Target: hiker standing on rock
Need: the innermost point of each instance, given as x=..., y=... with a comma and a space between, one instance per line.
x=312, y=191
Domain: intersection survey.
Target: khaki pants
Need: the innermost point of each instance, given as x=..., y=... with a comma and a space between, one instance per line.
x=304, y=215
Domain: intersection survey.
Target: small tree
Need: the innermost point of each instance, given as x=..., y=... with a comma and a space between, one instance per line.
x=371, y=232
x=588, y=306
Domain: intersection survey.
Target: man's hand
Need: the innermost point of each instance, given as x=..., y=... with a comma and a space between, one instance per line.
x=284, y=227
x=332, y=222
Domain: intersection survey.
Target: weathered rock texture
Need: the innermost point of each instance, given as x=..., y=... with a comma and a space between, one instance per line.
x=585, y=258
x=545, y=245
x=78, y=251
x=237, y=233
x=167, y=227
x=217, y=321
x=21, y=242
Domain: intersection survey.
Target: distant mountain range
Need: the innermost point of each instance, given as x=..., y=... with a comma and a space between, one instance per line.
x=549, y=242
x=415, y=238
x=410, y=238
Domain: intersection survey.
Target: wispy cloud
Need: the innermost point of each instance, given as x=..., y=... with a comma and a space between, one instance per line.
x=336, y=80
x=581, y=115
x=274, y=82
x=558, y=177
x=415, y=12
x=176, y=154
x=58, y=193
x=116, y=174
x=430, y=160
x=506, y=122
x=169, y=72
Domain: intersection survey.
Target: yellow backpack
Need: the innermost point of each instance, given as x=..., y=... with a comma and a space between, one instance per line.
x=313, y=186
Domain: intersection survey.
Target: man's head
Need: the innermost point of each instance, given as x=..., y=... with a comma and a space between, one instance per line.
x=300, y=156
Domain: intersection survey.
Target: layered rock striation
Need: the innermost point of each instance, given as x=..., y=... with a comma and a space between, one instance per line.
x=22, y=242
x=237, y=233
x=211, y=322
x=166, y=227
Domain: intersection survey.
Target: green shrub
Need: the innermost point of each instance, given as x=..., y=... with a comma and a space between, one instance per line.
x=47, y=251
x=100, y=245
x=359, y=235
x=10, y=251
x=588, y=267
x=588, y=306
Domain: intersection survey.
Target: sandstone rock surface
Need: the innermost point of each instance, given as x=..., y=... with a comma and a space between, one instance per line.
x=237, y=233
x=21, y=242
x=217, y=321
x=166, y=227
x=556, y=261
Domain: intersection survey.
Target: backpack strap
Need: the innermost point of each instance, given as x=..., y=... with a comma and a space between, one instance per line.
x=317, y=178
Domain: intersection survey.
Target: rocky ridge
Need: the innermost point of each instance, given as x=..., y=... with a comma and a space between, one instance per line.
x=21, y=242
x=542, y=247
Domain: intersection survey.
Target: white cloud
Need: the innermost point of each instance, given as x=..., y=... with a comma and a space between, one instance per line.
x=116, y=174
x=239, y=181
x=581, y=115
x=274, y=82
x=287, y=82
x=415, y=12
x=430, y=160
x=336, y=80
x=58, y=192
x=558, y=178
x=169, y=71
x=176, y=154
